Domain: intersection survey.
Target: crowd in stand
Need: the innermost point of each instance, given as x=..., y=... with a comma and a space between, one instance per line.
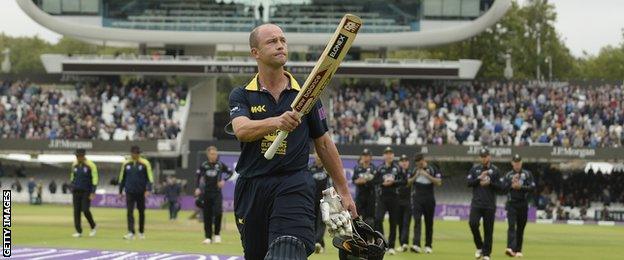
x=137, y=110
x=574, y=192
x=487, y=113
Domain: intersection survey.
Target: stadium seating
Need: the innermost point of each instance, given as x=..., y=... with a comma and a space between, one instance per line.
x=138, y=110
x=206, y=15
x=488, y=113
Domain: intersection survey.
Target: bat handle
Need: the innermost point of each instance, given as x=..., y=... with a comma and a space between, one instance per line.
x=281, y=136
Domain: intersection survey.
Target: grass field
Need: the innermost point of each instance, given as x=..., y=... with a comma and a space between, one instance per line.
x=52, y=226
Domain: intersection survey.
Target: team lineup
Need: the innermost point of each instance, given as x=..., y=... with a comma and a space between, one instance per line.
x=403, y=189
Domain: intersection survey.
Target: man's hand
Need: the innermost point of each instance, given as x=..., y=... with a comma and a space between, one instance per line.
x=220, y=184
x=288, y=121
x=349, y=205
x=485, y=181
x=147, y=193
x=360, y=181
x=197, y=192
x=120, y=196
x=515, y=182
x=91, y=196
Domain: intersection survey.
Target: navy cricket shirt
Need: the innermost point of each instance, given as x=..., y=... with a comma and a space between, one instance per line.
x=257, y=104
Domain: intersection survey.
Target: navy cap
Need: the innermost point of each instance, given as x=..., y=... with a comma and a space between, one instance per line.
x=484, y=152
x=135, y=149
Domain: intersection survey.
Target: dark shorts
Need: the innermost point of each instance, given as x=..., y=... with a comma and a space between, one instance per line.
x=267, y=207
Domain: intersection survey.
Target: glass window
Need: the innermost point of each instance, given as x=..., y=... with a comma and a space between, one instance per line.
x=432, y=8
x=51, y=6
x=70, y=6
x=451, y=8
x=89, y=6
x=470, y=8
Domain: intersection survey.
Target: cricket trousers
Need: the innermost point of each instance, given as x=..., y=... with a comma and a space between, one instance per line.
x=487, y=215
x=516, y=220
x=82, y=204
x=138, y=200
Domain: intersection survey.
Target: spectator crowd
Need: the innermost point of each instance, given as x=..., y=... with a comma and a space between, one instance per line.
x=136, y=110
x=488, y=113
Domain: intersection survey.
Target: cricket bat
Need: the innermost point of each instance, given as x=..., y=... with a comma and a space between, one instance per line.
x=322, y=73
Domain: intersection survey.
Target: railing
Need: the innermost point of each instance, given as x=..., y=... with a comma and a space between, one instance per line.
x=164, y=58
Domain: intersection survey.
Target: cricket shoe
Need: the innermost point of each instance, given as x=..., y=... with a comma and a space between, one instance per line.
x=509, y=252
x=416, y=249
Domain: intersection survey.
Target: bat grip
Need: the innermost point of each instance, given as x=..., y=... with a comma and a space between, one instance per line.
x=281, y=136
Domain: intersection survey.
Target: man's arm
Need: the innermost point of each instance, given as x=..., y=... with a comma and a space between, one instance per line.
x=247, y=130
x=326, y=149
x=497, y=182
x=122, y=179
x=95, y=178
x=228, y=173
x=529, y=184
x=150, y=175
x=435, y=178
x=473, y=179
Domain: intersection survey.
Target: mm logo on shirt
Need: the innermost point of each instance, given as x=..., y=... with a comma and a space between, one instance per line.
x=258, y=109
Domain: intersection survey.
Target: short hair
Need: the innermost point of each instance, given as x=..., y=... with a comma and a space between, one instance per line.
x=253, y=36
x=211, y=148
x=419, y=157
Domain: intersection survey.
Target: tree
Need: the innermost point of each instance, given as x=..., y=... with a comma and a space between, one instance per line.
x=517, y=33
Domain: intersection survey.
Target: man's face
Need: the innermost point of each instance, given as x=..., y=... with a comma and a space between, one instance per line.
x=517, y=166
x=80, y=158
x=485, y=159
x=212, y=155
x=422, y=163
x=388, y=157
x=366, y=159
x=272, y=49
x=135, y=156
x=404, y=164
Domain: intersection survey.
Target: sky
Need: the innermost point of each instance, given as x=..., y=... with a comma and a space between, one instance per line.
x=586, y=26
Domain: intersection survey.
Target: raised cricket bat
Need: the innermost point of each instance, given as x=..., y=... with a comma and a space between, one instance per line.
x=322, y=73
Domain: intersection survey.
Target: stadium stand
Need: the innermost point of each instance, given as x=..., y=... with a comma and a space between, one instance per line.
x=210, y=15
x=137, y=110
x=487, y=113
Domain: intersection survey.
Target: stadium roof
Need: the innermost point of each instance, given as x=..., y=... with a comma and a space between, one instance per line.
x=95, y=33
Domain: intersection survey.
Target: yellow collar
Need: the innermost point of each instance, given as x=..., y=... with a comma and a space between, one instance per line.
x=254, y=86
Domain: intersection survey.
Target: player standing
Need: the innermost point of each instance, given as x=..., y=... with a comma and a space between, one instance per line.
x=136, y=179
x=388, y=180
x=519, y=183
x=404, y=211
x=484, y=179
x=210, y=177
x=84, y=180
x=274, y=199
x=363, y=175
x=422, y=182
